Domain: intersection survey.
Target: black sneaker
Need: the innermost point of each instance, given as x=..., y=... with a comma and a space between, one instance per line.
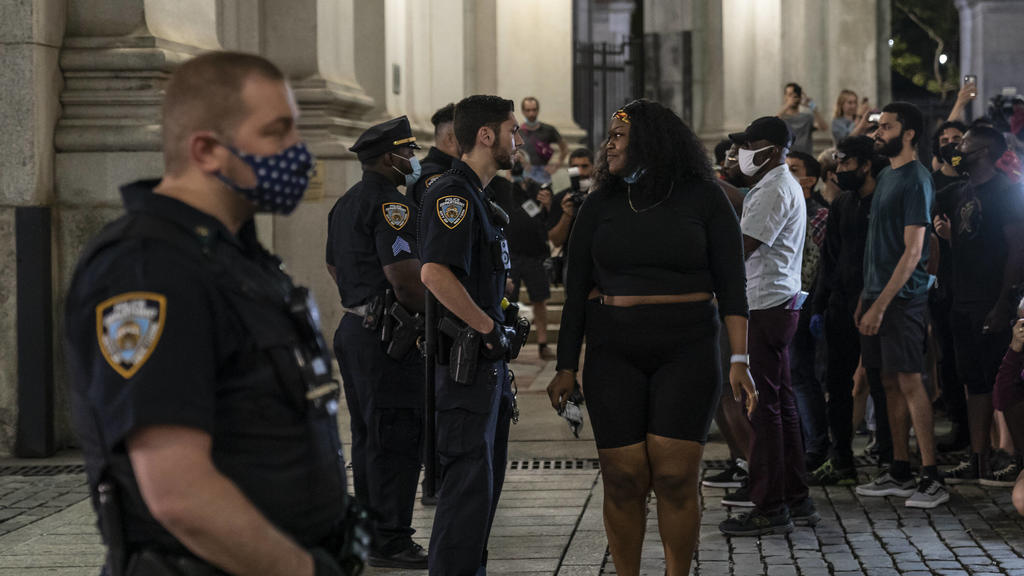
x=739, y=498
x=829, y=475
x=813, y=461
x=757, y=523
x=1005, y=476
x=804, y=513
x=966, y=472
x=412, y=557
x=733, y=477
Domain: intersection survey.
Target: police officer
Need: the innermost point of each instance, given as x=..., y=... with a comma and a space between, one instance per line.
x=202, y=392
x=465, y=263
x=371, y=250
x=441, y=155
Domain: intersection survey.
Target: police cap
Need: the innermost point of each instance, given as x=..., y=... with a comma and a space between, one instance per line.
x=384, y=137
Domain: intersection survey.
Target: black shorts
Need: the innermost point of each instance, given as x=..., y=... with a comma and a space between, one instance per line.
x=530, y=271
x=651, y=369
x=978, y=355
x=900, y=343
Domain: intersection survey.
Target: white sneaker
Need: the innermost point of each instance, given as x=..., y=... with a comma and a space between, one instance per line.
x=886, y=485
x=930, y=493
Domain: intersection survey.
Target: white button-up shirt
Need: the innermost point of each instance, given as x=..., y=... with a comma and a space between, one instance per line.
x=774, y=213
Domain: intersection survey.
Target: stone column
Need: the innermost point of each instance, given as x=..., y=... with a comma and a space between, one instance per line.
x=990, y=47
x=313, y=41
x=31, y=33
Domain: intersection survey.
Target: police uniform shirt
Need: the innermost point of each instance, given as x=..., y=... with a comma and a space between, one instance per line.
x=435, y=164
x=155, y=339
x=453, y=222
x=371, y=226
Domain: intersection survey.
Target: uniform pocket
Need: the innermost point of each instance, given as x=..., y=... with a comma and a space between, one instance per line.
x=461, y=433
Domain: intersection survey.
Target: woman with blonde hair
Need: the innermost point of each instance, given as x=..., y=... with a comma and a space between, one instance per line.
x=848, y=120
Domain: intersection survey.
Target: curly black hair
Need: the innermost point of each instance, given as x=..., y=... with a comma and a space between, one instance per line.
x=663, y=146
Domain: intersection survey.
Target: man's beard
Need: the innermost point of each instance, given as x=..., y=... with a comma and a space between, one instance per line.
x=890, y=148
x=502, y=158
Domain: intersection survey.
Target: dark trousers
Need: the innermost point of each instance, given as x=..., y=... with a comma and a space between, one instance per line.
x=810, y=397
x=843, y=343
x=953, y=396
x=472, y=446
x=979, y=355
x=883, y=433
x=385, y=403
x=777, y=474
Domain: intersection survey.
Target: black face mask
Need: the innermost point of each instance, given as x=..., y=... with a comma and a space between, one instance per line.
x=962, y=163
x=947, y=152
x=851, y=180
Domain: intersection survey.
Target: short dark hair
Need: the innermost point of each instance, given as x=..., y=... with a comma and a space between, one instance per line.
x=993, y=138
x=582, y=153
x=205, y=93
x=797, y=89
x=811, y=166
x=475, y=112
x=721, y=150
x=529, y=99
x=909, y=117
x=954, y=124
x=444, y=115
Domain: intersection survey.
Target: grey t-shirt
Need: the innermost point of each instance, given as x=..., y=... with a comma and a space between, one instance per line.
x=903, y=197
x=801, y=124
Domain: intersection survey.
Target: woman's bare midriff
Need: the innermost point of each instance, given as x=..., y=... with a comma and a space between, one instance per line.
x=626, y=301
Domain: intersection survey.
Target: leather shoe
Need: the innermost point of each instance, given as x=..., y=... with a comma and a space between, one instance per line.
x=412, y=557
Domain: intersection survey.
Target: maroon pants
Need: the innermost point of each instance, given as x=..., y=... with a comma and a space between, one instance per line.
x=777, y=474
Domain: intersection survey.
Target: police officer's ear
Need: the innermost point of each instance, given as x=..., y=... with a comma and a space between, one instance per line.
x=207, y=152
x=486, y=136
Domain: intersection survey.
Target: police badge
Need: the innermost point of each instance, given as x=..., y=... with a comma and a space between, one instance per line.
x=396, y=214
x=128, y=327
x=451, y=210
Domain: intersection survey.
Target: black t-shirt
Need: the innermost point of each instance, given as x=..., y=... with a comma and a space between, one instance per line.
x=540, y=143
x=371, y=226
x=979, y=246
x=527, y=235
x=941, y=181
x=172, y=320
x=946, y=190
x=690, y=242
x=841, y=271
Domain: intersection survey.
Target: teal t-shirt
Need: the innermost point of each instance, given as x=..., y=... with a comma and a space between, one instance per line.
x=903, y=197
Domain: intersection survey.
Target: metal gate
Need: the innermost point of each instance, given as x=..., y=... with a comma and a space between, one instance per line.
x=605, y=77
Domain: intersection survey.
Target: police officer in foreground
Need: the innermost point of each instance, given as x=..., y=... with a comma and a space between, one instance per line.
x=465, y=263
x=441, y=155
x=202, y=392
x=372, y=256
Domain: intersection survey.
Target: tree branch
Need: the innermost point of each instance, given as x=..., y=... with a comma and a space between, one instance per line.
x=940, y=45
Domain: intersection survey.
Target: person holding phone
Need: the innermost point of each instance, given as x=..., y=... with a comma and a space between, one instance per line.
x=849, y=119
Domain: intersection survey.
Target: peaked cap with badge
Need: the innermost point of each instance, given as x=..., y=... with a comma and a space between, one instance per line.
x=384, y=137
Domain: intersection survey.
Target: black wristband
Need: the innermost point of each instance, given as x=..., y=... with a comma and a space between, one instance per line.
x=324, y=564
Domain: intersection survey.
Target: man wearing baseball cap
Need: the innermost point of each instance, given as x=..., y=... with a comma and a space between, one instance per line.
x=773, y=225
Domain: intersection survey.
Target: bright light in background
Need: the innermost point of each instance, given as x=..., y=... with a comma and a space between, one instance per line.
x=891, y=42
x=943, y=58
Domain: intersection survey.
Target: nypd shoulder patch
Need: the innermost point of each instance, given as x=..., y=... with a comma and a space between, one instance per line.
x=432, y=179
x=451, y=210
x=128, y=328
x=396, y=214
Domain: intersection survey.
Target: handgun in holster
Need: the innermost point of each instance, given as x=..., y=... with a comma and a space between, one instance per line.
x=520, y=330
x=465, y=349
x=374, y=312
x=401, y=329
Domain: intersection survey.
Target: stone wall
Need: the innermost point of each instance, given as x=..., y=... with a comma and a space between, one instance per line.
x=991, y=47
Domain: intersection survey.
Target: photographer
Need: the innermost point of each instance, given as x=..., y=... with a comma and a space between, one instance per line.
x=564, y=204
x=526, y=203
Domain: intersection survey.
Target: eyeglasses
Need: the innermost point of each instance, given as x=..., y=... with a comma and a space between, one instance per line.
x=621, y=115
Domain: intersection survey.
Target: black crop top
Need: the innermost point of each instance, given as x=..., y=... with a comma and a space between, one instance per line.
x=691, y=242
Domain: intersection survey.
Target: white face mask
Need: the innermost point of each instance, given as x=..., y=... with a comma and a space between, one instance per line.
x=746, y=159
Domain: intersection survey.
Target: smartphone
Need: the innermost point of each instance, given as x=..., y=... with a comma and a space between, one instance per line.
x=971, y=79
x=874, y=117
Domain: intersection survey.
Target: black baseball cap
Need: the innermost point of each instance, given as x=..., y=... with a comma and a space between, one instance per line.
x=770, y=128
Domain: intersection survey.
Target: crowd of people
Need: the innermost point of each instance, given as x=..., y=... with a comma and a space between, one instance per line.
x=855, y=285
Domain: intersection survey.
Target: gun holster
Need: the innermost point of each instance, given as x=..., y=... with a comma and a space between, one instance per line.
x=465, y=350
x=400, y=330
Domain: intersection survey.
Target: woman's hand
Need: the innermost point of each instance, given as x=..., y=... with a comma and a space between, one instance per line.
x=561, y=388
x=1017, y=342
x=742, y=383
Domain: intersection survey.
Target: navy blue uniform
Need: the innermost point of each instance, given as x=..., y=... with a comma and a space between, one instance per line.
x=456, y=230
x=372, y=226
x=172, y=320
x=435, y=164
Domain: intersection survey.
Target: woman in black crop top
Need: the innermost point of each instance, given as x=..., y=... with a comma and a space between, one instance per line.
x=654, y=246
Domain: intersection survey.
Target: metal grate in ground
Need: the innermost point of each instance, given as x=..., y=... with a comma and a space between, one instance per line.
x=578, y=464
x=42, y=469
